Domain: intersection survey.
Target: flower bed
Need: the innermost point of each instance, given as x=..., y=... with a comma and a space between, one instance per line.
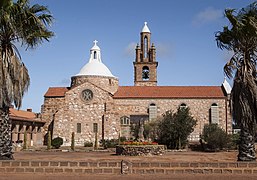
x=140, y=149
x=138, y=143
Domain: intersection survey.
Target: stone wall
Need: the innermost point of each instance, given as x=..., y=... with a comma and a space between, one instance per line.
x=199, y=108
x=143, y=150
x=109, y=84
x=64, y=113
x=49, y=109
x=129, y=167
x=98, y=110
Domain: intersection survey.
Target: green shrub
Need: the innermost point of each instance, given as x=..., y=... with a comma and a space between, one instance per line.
x=57, y=142
x=122, y=139
x=88, y=144
x=215, y=137
x=109, y=143
x=234, y=140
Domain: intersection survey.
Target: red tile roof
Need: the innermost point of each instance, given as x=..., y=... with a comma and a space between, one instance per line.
x=23, y=115
x=56, y=92
x=125, y=92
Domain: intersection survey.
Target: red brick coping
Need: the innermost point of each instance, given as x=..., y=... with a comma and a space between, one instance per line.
x=126, y=167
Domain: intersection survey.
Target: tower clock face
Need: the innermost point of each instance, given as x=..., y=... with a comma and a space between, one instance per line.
x=87, y=95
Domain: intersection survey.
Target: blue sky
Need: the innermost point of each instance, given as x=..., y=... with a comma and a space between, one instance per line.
x=183, y=32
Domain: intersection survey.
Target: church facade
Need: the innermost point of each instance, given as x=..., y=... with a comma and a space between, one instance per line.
x=95, y=105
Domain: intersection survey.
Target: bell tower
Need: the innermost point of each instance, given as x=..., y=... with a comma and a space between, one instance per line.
x=145, y=65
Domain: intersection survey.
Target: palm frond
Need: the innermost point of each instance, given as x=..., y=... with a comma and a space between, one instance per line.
x=232, y=19
x=28, y=25
x=230, y=67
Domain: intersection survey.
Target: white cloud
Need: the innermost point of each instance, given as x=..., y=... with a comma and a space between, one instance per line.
x=130, y=49
x=65, y=82
x=164, y=49
x=208, y=15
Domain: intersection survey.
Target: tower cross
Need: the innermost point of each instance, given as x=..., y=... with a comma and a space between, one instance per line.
x=95, y=41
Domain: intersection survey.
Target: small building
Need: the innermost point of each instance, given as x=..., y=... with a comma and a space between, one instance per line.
x=95, y=105
x=26, y=122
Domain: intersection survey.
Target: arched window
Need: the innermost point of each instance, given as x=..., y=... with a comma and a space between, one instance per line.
x=183, y=105
x=214, y=114
x=94, y=54
x=146, y=46
x=145, y=73
x=152, y=111
x=124, y=120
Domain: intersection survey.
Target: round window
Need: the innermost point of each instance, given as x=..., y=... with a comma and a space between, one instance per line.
x=87, y=95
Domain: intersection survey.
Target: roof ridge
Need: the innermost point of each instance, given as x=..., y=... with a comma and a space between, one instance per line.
x=174, y=86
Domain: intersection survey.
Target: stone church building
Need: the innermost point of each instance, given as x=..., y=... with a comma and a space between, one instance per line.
x=96, y=105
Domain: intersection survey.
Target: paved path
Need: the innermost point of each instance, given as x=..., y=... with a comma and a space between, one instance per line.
x=190, y=156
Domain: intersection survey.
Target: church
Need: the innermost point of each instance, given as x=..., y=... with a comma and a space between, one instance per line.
x=96, y=106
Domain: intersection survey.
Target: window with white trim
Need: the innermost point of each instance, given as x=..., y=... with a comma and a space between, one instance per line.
x=152, y=111
x=214, y=114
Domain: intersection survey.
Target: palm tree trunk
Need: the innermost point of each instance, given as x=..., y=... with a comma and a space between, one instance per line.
x=244, y=107
x=5, y=135
x=246, y=146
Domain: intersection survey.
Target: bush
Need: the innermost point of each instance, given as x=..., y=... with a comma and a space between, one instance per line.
x=109, y=143
x=88, y=144
x=57, y=142
x=215, y=137
x=234, y=140
x=122, y=139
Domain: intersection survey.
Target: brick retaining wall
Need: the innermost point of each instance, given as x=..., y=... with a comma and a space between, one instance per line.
x=126, y=167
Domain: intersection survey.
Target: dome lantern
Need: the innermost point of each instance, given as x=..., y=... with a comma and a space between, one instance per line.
x=95, y=67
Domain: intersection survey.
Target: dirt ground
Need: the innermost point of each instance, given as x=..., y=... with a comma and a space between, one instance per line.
x=185, y=156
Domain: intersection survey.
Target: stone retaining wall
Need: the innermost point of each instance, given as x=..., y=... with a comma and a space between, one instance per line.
x=143, y=150
x=126, y=167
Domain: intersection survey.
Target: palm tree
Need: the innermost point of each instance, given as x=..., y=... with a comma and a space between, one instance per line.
x=241, y=39
x=28, y=26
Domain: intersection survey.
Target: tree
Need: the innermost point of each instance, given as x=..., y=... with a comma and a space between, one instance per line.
x=241, y=39
x=215, y=137
x=151, y=129
x=73, y=141
x=27, y=25
x=49, y=140
x=175, y=128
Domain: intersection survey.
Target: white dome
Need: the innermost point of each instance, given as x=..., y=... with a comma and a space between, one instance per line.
x=95, y=67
